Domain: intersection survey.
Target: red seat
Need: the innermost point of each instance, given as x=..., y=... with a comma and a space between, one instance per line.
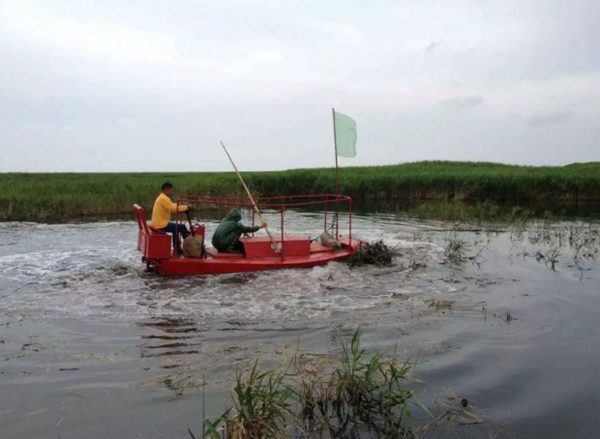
x=153, y=243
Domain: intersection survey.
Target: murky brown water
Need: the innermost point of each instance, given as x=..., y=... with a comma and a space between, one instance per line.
x=92, y=347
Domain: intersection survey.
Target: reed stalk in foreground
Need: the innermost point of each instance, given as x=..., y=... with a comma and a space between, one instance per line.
x=312, y=398
x=359, y=395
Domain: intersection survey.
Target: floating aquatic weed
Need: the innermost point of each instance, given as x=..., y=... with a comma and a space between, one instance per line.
x=552, y=257
x=414, y=265
x=440, y=304
x=182, y=378
x=584, y=239
x=579, y=241
x=453, y=411
x=376, y=253
x=506, y=317
x=477, y=258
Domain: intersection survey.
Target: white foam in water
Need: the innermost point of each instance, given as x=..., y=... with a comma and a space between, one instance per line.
x=94, y=270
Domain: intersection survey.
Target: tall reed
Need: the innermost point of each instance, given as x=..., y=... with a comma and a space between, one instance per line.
x=63, y=196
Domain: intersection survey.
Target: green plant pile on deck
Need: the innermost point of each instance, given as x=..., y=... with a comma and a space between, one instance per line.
x=52, y=196
x=376, y=253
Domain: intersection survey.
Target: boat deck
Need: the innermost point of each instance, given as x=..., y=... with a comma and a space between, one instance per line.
x=314, y=248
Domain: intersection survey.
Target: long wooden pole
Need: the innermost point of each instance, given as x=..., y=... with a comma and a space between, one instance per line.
x=256, y=209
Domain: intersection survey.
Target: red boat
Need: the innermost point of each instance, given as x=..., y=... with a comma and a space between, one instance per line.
x=262, y=252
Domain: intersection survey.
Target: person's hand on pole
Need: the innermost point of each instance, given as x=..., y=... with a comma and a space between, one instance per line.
x=275, y=246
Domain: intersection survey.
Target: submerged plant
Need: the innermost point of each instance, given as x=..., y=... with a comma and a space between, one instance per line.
x=552, y=257
x=456, y=249
x=454, y=410
x=550, y=241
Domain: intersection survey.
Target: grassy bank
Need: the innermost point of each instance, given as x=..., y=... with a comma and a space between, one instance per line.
x=50, y=196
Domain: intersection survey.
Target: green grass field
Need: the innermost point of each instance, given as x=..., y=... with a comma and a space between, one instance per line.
x=41, y=197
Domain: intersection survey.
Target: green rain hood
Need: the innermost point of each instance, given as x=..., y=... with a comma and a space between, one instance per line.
x=229, y=229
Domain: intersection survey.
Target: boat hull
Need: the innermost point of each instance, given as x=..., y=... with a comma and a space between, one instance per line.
x=178, y=266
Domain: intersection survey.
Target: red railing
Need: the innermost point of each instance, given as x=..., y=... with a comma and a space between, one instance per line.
x=277, y=203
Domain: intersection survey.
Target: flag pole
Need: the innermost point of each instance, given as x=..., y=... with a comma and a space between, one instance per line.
x=337, y=174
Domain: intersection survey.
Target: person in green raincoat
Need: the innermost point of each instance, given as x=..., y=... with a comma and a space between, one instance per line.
x=226, y=238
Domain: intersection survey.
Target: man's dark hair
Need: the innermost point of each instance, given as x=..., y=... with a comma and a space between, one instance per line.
x=166, y=185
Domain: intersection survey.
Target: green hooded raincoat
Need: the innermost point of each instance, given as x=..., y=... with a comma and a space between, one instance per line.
x=229, y=229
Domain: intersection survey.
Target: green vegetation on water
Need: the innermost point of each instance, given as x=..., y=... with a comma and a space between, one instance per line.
x=40, y=197
x=359, y=395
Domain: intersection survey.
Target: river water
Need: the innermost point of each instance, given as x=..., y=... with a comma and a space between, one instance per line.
x=91, y=346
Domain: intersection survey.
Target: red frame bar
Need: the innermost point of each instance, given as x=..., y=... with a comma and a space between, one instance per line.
x=176, y=225
x=282, y=240
x=325, y=212
x=243, y=202
x=268, y=203
x=349, y=220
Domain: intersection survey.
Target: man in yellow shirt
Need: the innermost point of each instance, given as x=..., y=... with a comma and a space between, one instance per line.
x=161, y=215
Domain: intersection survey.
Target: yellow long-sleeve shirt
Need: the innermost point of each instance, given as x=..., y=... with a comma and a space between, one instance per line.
x=162, y=210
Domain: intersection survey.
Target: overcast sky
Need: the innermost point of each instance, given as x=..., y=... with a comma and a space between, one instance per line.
x=153, y=85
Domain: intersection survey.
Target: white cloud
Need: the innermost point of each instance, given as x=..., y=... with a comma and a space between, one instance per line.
x=106, y=41
x=550, y=118
x=463, y=102
x=149, y=81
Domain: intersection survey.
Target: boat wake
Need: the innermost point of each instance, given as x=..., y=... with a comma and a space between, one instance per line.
x=92, y=271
